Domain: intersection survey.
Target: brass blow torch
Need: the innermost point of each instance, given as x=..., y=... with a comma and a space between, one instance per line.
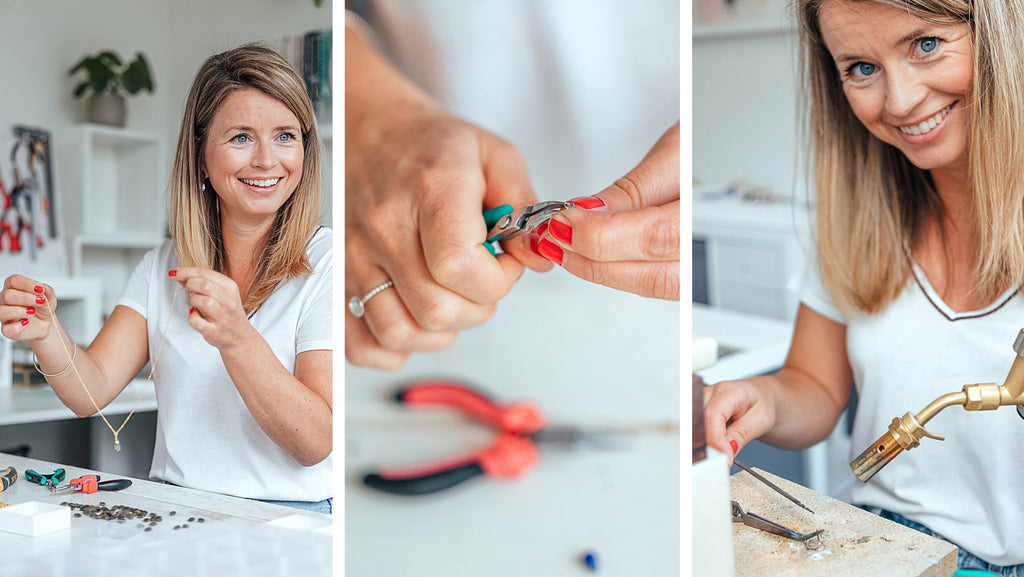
x=907, y=431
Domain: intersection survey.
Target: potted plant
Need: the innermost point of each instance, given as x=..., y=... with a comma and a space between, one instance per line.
x=106, y=83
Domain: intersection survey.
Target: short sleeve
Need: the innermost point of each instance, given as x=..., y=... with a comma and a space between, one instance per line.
x=136, y=291
x=815, y=296
x=316, y=318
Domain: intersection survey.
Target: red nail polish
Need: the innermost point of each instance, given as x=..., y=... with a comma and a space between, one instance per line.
x=192, y=310
x=24, y=322
x=38, y=289
x=540, y=230
x=30, y=311
x=588, y=202
x=561, y=230
x=550, y=251
x=735, y=446
x=40, y=300
x=172, y=273
x=534, y=240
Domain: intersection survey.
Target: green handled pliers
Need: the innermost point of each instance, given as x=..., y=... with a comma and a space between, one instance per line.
x=53, y=479
x=504, y=223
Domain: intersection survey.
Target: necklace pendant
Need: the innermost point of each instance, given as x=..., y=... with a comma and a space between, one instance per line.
x=117, y=445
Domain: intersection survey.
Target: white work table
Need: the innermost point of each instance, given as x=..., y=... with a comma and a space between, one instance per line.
x=238, y=537
x=586, y=355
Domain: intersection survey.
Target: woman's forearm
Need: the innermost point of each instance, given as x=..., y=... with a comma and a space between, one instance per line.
x=294, y=415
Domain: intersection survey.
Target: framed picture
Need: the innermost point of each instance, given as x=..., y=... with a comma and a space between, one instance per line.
x=31, y=240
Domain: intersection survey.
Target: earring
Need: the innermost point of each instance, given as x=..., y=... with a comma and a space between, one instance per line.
x=202, y=186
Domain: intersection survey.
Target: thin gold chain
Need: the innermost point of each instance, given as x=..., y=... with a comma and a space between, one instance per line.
x=152, y=368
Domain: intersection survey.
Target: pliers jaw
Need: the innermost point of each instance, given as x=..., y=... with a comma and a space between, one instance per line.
x=525, y=219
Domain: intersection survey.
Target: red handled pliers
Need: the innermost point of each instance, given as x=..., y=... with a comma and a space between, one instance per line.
x=520, y=427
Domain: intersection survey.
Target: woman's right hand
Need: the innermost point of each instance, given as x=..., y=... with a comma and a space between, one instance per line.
x=736, y=413
x=24, y=315
x=417, y=180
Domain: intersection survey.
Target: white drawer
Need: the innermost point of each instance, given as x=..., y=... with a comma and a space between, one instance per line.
x=758, y=264
x=753, y=299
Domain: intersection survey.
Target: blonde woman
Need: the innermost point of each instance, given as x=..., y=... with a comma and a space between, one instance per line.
x=914, y=116
x=243, y=378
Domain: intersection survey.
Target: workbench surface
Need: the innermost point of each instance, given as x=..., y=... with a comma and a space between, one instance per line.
x=855, y=542
x=237, y=537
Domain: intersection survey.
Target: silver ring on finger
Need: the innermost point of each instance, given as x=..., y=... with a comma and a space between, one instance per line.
x=357, y=306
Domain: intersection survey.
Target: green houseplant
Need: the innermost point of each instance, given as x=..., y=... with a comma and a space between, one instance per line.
x=107, y=79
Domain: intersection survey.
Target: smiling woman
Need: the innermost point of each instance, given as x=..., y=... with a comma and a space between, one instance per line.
x=243, y=372
x=914, y=117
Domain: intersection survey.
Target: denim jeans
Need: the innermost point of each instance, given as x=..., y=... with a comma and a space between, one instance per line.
x=964, y=560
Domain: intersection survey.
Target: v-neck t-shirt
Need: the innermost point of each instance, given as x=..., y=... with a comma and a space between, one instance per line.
x=967, y=488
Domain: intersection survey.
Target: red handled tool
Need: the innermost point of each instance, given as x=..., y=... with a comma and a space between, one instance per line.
x=514, y=451
x=91, y=483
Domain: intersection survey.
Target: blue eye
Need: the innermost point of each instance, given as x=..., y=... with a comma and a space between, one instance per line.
x=864, y=69
x=241, y=139
x=928, y=44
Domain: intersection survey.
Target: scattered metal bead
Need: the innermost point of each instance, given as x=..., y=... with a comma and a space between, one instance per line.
x=173, y=513
x=201, y=520
x=191, y=519
x=149, y=528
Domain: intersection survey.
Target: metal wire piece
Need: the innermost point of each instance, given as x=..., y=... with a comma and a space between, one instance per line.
x=35, y=360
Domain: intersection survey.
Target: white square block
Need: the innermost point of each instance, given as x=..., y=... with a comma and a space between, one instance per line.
x=34, y=518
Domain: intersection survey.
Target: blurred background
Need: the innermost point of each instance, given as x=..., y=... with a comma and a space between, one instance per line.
x=752, y=213
x=583, y=89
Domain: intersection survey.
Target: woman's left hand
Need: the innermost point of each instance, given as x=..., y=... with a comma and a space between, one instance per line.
x=631, y=241
x=216, y=306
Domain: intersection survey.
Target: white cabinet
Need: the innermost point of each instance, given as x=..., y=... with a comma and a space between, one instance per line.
x=754, y=254
x=112, y=192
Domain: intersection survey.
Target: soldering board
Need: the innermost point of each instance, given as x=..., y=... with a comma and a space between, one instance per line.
x=855, y=542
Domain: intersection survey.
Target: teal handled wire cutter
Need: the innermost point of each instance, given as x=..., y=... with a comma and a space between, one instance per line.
x=504, y=223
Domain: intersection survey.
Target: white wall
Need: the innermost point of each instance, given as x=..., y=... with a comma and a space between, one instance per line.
x=40, y=40
x=744, y=109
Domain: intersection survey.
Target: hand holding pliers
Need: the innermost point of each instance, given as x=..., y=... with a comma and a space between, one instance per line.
x=504, y=223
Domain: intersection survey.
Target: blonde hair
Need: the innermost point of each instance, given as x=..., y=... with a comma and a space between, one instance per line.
x=872, y=203
x=193, y=215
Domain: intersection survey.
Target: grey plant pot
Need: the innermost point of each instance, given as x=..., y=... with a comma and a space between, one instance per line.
x=108, y=109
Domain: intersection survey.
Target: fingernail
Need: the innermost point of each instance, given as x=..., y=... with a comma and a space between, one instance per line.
x=38, y=289
x=30, y=311
x=540, y=230
x=24, y=322
x=588, y=202
x=534, y=240
x=735, y=446
x=190, y=311
x=40, y=300
x=550, y=251
x=560, y=230
x=172, y=273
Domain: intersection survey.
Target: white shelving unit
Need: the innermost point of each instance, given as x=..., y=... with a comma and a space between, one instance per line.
x=113, y=203
x=755, y=254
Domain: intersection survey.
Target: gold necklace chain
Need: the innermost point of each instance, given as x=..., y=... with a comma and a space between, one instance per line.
x=152, y=369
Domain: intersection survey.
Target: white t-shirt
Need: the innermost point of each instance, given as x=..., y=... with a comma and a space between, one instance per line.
x=206, y=438
x=968, y=487
x=583, y=88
